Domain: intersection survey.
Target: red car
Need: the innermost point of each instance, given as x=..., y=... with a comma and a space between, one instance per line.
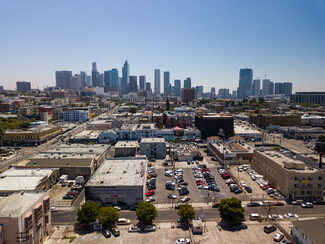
x=264, y=188
x=278, y=204
x=149, y=193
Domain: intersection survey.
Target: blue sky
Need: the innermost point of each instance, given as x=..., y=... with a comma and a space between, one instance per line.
x=208, y=41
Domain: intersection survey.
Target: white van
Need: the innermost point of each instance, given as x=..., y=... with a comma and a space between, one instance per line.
x=255, y=216
x=123, y=221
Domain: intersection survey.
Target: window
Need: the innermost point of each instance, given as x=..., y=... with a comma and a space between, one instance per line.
x=296, y=185
x=302, y=192
x=320, y=178
x=296, y=178
x=320, y=185
x=309, y=192
x=309, y=185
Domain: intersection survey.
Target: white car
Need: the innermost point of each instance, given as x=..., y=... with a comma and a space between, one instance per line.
x=202, y=187
x=150, y=199
x=275, y=217
x=291, y=216
x=242, y=183
x=185, y=199
x=278, y=236
x=183, y=241
x=54, y=209
x=117, y=208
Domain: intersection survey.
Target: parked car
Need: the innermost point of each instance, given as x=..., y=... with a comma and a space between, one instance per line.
x=68, y=197
x=291, y=216
x=106, y=233
x=54, y=209
x=150, y=199
x=248, y=189
x=70, y=184
x=134, y=229
x=269, y=228
x=319, y=202
x=240, y=226
x=115, y=232
x=150, y=193
x=149, y=228
x=307, y=205
x=185, y=199
x=117, y=208
x=183, y=241
x=253, y=204
x=278, y=204
x=278, y=236
x=242, y=183
x=172, y=196
x=237, y=191
x=275, y=217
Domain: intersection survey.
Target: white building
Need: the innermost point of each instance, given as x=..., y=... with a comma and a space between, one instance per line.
x=310, y=231
x=153, y=147
x=75, y=115
x=248, y=133
x=118, y=181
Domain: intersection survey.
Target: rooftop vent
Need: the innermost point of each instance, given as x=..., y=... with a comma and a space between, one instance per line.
x=101, y=182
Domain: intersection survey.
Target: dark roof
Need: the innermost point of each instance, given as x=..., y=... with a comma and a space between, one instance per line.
x=313, y=229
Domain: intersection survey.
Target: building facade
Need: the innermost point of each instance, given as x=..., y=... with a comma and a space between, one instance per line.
x=157, y=82
x=245, y=83
x=308, y=97
x=153, y=147
x=264, y=120
x=23, y=86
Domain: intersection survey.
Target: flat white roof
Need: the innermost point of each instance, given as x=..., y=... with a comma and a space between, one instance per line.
x=120, y=172
x=125, y=144
x=17, y=204
x=155, y=140
x=241, y=129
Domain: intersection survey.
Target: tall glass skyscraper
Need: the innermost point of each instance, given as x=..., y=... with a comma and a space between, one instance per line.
x=157, y=82
x=177, y=88
x=94, y=75
x=125, y=78
x=187, y=83
x=142, y=81
x=166, y=83
x=245, y=82
x=256, y=91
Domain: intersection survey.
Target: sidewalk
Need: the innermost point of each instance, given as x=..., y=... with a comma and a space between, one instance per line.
x=58, y=234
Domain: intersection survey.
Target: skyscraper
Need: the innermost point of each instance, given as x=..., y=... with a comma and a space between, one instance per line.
x=287, y=89
x=268, y=87
x=106, y=81
x=157, y=82
x=125, y=78
x=94, y=75
x=166, y=83
x=148, y=87
x=23, y=86
x=188, y=94
x=279, y=88
x=256, y=91
x=177, y=88
x=83, y=76
x=224, y=93
x=142, y=81
x=245, y=82
x=63, y=79
x=187, y=83
x=75, y=82
x=133, y=85
x=213, y=92
x=198, y=91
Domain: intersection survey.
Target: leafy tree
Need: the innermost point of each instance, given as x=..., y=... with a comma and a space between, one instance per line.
x=186, y=212
x=146, y=212
x=321, y=138
x=231, y=210
x=133, y=110
x=167, y=104
x=108, y=216
x=88, y=212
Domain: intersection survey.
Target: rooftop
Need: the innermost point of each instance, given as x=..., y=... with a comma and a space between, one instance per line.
x=120, y=172
x=124, y=144
x=87, y=134
x=31, y=130
x=148, y=140
x=234, y=147
x=313, y=229
x=17, y=204
x=242, y=129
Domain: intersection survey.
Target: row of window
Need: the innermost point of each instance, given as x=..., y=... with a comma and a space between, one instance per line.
x=308, y=185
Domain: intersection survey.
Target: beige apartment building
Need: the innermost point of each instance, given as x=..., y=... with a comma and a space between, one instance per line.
x=25, y=217
x=293, y=178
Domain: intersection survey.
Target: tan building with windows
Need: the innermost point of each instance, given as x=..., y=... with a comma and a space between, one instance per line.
x=31, y=136
x=293, y=178
x=25, y=217
x=264, y=120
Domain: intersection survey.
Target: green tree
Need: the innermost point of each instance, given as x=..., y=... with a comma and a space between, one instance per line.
x=231, y=210
x=167, y=104
x=88, y=212
x=321, y=138
x=133, y=110
x=108, y=216
x=186, y=212
x=146, y=212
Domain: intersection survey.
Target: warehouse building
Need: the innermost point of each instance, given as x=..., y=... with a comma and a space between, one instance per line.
x=118, y=181
x=21, y=179
x=153, y=147
x=126, y=148
x=72, y=160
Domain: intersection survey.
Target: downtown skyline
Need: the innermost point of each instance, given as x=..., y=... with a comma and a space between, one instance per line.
x=197, y=41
